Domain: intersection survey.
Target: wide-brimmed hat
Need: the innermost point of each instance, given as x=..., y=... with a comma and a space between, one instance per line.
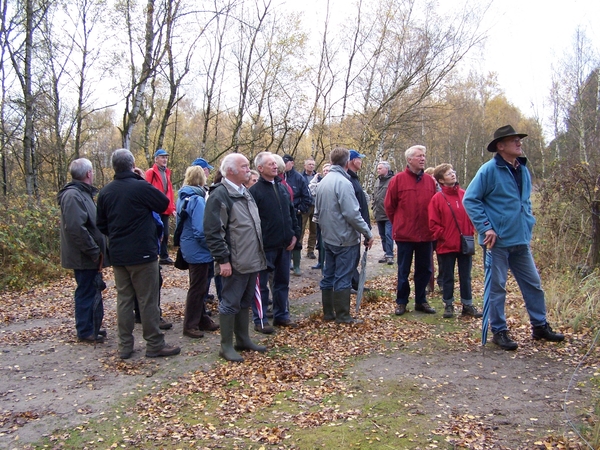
x=501, y=133
x=202, y=163
x=160, y=152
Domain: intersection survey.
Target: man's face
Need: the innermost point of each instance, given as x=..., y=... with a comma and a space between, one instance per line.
x=309, y=166
x=242, y=167
x=269, y=168
x=206, y=172
x=417, y=161
x=355, y=164
x=381, y=170
x=289, y=165
x=510, y=148
x=161, y=161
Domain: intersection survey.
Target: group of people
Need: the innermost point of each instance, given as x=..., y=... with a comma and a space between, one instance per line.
x=245, y=231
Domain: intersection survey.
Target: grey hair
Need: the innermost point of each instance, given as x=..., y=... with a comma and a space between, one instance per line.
x=280, y=163
x=385, y=164
x=412, y=150
x=229, y=163
x=79, y=168
x=122, y=160
x=260, y=158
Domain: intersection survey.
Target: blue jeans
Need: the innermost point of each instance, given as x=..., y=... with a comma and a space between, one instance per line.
x=520, y=262
x=84, y=301
x=340, y=264
x=281, y=287
x=423, y=270
x=446, y=263
x=385, y=232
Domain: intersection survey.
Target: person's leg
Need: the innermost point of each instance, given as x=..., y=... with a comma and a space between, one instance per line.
x=312, y=233
x=194, y=302
x=447, y=262
x=497, y=295
x=281, y=288
x=145, y=280
x=465, y=264
x=85, y=292
x=381, y=225
x=522, y=266
x=345, y=256
x=389, y=250
x=405, y=256
x=164, y=253
x=423, y=270
x=125, y=317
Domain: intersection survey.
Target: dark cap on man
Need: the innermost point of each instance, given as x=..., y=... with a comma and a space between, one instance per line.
x=160, y=152
x=501, y=133
x=202, y=163
x=287, y=158
x=354, y=154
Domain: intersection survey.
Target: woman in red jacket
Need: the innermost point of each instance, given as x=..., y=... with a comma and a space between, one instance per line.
x=447, y=221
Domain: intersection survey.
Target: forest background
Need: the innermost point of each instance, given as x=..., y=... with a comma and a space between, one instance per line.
x=81, y=78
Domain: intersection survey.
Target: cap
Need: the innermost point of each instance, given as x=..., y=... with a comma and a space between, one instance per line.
x=355, y=154
x=202, y=163
x=160, y=152
x=287, y=158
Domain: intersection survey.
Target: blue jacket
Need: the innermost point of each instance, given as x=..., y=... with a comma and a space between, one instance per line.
x=493, y=201
x=193, y=242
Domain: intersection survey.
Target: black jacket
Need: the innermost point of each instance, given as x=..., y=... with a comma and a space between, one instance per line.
x=302, y=197
x=277, y=214
x=124, y=214
x=360, y=196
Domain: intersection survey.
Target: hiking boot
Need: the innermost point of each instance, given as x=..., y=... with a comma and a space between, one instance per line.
x=503, y=340
x=125, y=354
x=390, y=260
x=167, y=350
x=382, y=261
x=316, y=266
x=545, y=332
x=164, y=325
x=424, y=307
x=264, y=329
x=449, y=311
x=400, y=309
x=285, y=323
x=91, y=339
x=194, y=334
x=166, y=262
x=206, y=324
x=311, y=255
x=470, y=310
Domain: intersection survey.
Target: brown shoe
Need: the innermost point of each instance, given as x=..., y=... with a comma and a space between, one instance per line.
x=194, y=334
x=264, y=329
x=98, y=339
x=285, y=323
x=400, y=309
x=167, y=350
x=424, y=307
x=164, y=325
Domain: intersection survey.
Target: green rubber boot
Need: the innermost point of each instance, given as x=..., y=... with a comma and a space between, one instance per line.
x=227, y=322
x=327, y=302
x=242, y=334
x=296, y=261
x=341, y=304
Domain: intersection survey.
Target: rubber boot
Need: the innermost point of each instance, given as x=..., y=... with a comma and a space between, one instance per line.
x=327, y=301
x=242, y=335
x=227, y=322
x=296, y=262
x=341, y=304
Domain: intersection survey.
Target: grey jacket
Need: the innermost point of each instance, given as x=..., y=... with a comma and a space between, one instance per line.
x=339, y=212
x=80, y=240
x=381, y=186
x=232, y=230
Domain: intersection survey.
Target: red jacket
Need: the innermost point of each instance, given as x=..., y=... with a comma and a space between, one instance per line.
x=406, y=202
x=155, y=179
x=442, y=223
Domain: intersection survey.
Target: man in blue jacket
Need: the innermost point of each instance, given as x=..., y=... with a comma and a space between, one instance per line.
x=499, y=205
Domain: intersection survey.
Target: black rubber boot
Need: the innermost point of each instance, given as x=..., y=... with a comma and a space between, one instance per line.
x=341, y=304
x=327, y=302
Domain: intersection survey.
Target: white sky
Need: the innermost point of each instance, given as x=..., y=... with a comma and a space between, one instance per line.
x=525, y=37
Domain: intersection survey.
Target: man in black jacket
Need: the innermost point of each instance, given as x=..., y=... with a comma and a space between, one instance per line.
x=124, y=214
x=280, y=231
x=302, y=201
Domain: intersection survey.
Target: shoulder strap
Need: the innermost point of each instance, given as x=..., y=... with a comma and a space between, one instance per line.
x=452, y=211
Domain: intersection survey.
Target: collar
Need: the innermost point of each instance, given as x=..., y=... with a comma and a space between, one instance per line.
x=240, y=189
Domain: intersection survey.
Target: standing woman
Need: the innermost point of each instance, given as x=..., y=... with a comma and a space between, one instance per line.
x=195, y=252
x=447, y=221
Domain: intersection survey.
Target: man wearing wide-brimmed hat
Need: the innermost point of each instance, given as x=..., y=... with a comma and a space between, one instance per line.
x=499, y=205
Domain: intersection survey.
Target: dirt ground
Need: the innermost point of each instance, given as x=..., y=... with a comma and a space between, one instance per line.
x=49, y=381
